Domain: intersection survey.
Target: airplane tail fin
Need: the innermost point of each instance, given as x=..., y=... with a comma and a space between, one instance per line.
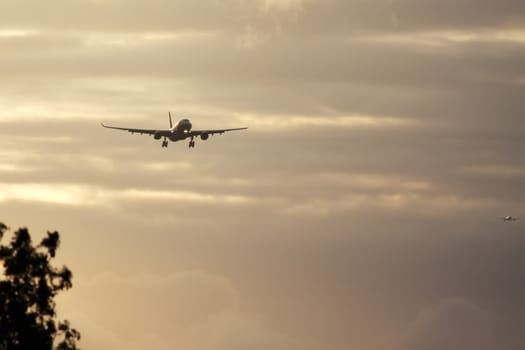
x=171, y=122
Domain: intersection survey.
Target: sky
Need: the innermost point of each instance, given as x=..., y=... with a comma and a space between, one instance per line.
x=358, y=211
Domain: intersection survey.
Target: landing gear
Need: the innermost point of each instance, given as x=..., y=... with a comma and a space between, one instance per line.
x=164, y=143
x=192, y=143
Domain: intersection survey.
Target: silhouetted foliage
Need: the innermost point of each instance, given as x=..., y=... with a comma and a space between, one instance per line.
x=28, y=285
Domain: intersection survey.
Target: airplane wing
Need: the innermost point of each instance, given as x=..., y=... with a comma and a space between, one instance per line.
x=139, y=131
x=212, y=132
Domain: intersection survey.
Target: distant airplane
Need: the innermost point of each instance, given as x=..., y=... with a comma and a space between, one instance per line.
x=178, y=132
x=508, y=218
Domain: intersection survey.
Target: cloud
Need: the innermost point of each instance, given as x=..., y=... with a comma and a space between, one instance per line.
x=61, y=194
x=435, y=13
x=191, y=309
x=446, y=38
x=162, y=15
x=282, y=5
x=81, y=195
x=454, y=324
x=330, y=17
x=496, y=170
x=408, y=202
x=280, y=123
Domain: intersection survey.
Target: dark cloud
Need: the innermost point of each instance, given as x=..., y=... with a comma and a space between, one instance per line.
x=455, y=324
x=304, y=16
x=460, y=14
x=136, y=15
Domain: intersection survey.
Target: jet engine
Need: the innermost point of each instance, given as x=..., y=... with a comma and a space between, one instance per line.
x=204, y=136
x=157, y=135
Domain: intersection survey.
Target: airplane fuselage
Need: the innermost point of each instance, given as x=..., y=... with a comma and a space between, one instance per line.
x=180, y=131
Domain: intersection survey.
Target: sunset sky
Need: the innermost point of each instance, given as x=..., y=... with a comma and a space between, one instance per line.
x=359, y=210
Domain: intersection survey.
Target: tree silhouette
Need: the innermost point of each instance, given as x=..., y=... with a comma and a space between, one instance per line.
x=28, y=285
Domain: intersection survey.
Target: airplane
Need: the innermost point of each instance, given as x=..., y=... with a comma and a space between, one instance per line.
x=508, y=218
x=181, y=131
